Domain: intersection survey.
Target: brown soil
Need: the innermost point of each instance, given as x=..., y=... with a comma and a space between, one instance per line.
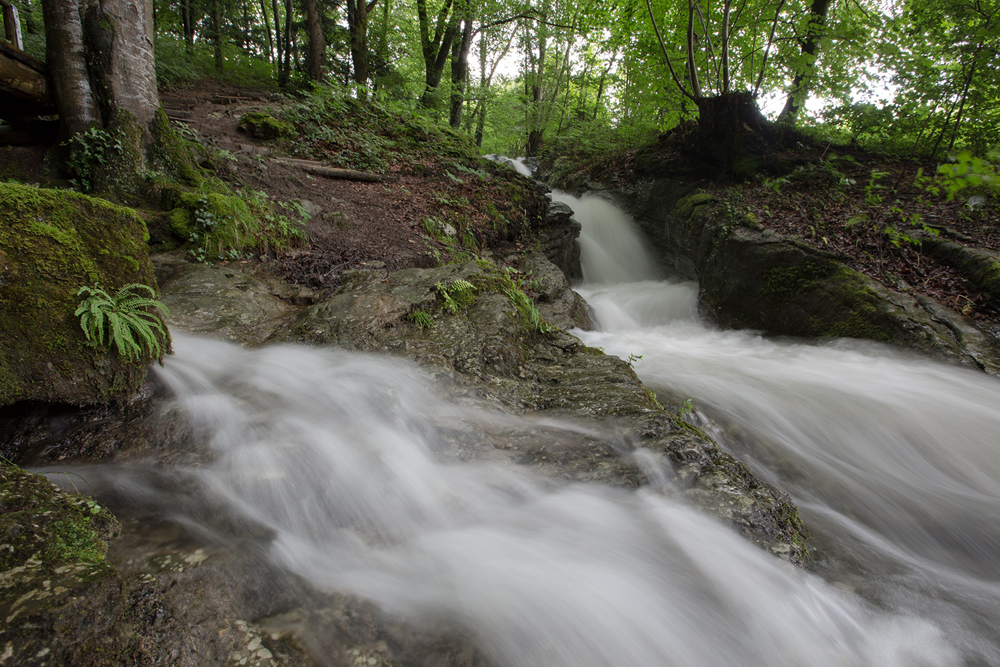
x=352, y=222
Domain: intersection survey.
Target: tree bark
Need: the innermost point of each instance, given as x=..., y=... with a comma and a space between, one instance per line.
x=799, y=89
x=285, y=69
x=460, y=71
x=436, y=50
x=217, y=33
x=65, y=56
x=357, y=26
x=277, y=34
x=317, y=45
x=100, y=60
x=267, y=30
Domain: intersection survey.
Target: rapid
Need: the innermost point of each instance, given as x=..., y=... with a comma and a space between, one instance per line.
x=370, y=481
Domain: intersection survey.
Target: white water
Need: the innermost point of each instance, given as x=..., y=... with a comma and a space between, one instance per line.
x=895, y=460
x=340, y=455
x=518, y=164
x=350, y=461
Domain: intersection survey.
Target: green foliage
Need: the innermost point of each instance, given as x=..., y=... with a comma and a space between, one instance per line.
x=229, y=227
x=966, y=172
x=90, y=150
x=178, y=64
x=422, y=319
x=124, y=320
x=457, y=295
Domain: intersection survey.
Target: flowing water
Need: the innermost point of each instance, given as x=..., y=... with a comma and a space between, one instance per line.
x=350, y=463
x=894, y=460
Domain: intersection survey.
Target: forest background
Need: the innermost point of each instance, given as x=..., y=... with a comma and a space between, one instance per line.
x=917, y=77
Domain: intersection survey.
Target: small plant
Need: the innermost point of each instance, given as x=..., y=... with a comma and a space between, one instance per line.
x=124, y=320
x=632, y=358
x=964, y=171
x=457, y=295
x=527, y=308
x=422, y=319
x=88, y=150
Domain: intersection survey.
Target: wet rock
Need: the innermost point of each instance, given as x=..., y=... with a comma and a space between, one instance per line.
x=52, y=243
x=558, y=239
x=61, y=601
x=485, y=352
x=753, y=278
x=232, y=302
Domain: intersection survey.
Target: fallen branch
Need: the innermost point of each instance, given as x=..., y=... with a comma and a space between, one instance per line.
x=331, y=172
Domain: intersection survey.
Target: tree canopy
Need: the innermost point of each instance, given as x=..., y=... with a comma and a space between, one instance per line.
x=917, y=76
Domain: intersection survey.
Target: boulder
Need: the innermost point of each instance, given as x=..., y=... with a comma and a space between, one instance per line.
x=754, y=278
x=52, y=243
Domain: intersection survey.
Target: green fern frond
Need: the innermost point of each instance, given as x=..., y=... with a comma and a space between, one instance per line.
x=124, y=321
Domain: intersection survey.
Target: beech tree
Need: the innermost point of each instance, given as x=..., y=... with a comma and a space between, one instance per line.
x=101, y=66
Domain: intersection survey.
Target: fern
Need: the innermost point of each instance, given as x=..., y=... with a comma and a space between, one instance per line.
x=457, y=295
x=123, y=320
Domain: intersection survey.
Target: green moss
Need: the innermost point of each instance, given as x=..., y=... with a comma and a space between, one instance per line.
x=784, y=283
x=593, y=351
x=46, y=526
x=52, y=242
x=688, y=206
x=171, y=153
x=226, y=226
x=264, y=126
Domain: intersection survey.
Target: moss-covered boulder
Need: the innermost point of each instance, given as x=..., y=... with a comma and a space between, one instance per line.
x=52, y=243
x=754, y=278
x=260, y=125
x=61, y=602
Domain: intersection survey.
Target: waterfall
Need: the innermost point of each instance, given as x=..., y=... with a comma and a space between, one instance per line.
x=892, y=458
x=343, y=459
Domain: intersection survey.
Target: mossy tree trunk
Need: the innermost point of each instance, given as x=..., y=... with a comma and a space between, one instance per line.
x=102, y=70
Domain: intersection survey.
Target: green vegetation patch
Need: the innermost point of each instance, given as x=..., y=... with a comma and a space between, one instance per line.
x=52, y=242
x=688, y=206
x=224, y=226
x=784, y=283
x=45, y=526
x=260, y=125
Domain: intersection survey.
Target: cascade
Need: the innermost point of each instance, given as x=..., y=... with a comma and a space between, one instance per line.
x=348, y=463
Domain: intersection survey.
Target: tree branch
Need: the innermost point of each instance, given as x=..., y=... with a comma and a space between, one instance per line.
x=666, y=56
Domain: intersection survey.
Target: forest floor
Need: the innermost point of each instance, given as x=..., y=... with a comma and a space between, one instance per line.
x=432, y=186
x=867, y=209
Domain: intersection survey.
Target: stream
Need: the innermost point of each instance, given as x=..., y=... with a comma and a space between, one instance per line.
x=349, y=462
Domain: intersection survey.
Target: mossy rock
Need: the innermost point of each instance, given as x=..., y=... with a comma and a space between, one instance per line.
x=227, y=226
x=63, y=604
x=52, y=243
x=260, y=125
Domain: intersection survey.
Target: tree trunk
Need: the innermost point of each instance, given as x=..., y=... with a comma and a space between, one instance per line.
x=460, y=72
x=277, y=34
x=357, y=26
x=66, y=60
x=285, y=69
x=436, y=50
x=217, y=33
x=100, y=61
x=732, y=134
x=799, y=89
x=317, y=45
x=188, y=27
x=267, y=30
